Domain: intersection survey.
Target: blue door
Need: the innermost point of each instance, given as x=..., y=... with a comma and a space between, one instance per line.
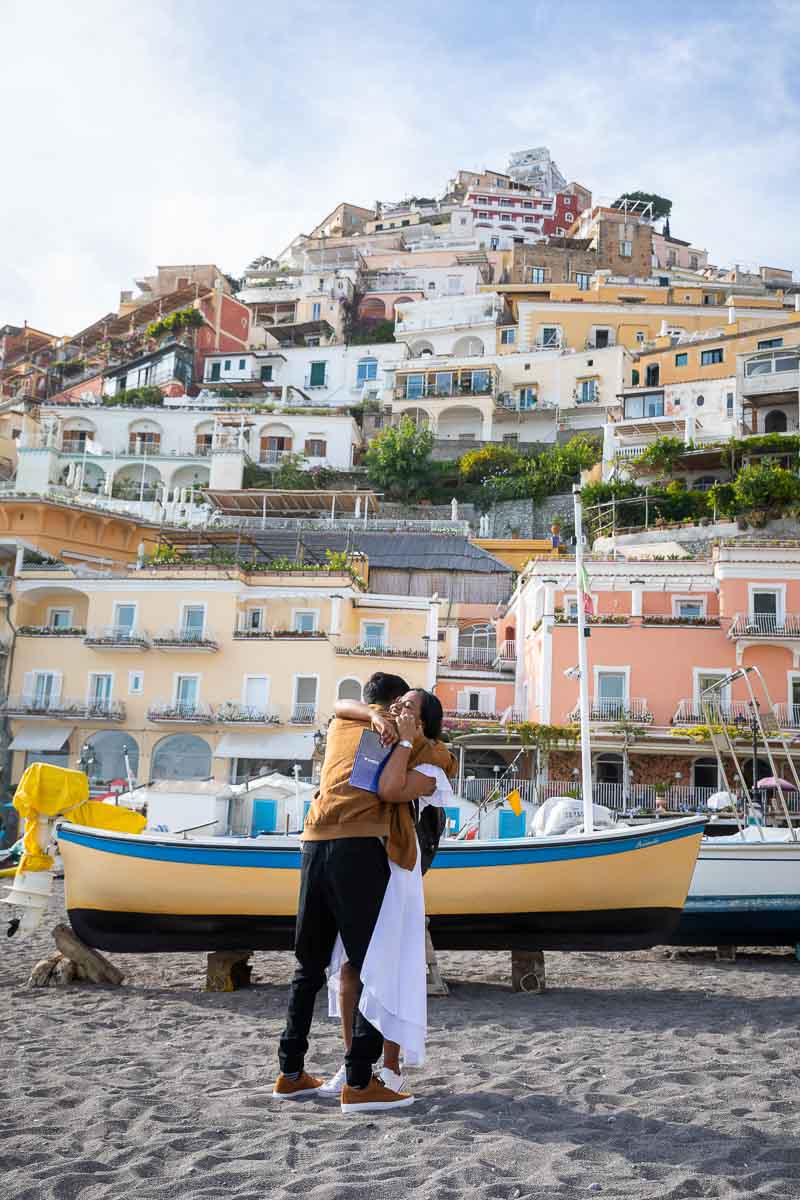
x=306, y=807
x=511, y=825
x=264, y=816
x=453, y=821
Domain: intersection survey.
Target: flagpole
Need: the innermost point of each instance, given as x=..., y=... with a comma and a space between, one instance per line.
x=583, y=668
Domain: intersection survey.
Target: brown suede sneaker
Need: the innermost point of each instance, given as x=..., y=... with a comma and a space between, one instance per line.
x=288, y=1089
x=376, y=1096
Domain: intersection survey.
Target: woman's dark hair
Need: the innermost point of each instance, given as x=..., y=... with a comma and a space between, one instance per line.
x=431, y=714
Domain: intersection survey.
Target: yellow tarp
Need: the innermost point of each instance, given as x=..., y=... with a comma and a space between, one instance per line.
x=49, y=791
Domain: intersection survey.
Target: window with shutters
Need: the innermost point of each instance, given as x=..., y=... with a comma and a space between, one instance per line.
x=374, y=634
x=266, y=374
x=42, y=690
x=316, y=447
x=317, y=374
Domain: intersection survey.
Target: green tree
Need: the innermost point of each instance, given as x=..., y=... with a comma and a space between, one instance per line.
x=477, y=465
x=758, y=487
x=399, y=459
x=662, y=207
x=662, y=456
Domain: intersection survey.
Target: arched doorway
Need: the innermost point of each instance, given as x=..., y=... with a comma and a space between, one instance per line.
x=349, y=689
x=189, y=477
x=105, y=760
x=461, y=424
x=422, y=349
x=609, y=769
x=775, y=421
x=181, y=756
x=705, y=775
x=137, y=481
x=372, y=309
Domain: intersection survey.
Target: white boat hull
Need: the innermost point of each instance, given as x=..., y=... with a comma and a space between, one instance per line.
x=744, y=891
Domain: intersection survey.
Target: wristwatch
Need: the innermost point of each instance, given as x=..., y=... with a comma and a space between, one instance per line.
x=405, y=742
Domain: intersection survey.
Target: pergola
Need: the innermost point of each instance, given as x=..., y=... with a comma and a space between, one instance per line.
x=269, y=502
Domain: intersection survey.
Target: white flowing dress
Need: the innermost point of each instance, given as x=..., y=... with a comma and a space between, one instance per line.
x=394, y=996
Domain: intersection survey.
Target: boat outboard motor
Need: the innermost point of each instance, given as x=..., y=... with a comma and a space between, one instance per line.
x=564, y=814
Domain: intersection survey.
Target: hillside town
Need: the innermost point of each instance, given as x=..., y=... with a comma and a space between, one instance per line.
x=228, y=502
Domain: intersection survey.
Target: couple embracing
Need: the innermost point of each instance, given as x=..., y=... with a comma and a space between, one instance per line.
x=361, y=912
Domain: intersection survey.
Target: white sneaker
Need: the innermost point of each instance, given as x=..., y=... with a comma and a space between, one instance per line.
x=392, y=1080
x=334, y=1085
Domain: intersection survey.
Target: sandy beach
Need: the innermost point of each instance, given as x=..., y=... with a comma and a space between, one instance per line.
x=633, y=1076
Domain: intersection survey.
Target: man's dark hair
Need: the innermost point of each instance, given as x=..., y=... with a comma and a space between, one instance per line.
x=381, y=688
x=431, y=714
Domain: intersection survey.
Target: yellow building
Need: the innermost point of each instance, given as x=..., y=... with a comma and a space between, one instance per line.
x=671, y=360
x=197, y=671
x=611, y=312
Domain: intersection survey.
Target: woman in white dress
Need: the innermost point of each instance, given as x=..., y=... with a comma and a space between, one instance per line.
x=394, y=975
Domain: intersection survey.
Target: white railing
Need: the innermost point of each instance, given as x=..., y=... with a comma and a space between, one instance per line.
x=788, y=715
x=116, y=635
x=507, y=654
x=766, y=625
x=473, y=656
x=303, y=714
x=178, y=710
x=201, y=638
x=600, y=709
x=478, y=790
x=65, y=708
x=232, y=712
x=693, y=712
x=378, y=648
x=273, y=458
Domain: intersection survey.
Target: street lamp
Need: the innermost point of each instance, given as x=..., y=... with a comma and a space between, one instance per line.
x=752, y=723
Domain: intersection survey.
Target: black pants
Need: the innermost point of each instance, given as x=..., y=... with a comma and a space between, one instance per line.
x=342, y=882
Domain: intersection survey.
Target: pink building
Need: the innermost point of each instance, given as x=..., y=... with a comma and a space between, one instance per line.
x=662, y=632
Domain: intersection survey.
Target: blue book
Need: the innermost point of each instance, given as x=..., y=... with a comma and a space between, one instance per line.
x=371, y=758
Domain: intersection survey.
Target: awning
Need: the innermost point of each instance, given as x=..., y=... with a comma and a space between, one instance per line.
x=298, y=747
x=40, y=737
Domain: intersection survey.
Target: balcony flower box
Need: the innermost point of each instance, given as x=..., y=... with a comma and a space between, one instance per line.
x=303, y=634
x=233, y=713
x=702, y=622
x=254, y=635
x=376, y=651
x=52, y=631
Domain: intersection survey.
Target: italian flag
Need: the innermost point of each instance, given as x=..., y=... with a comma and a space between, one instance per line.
x=588, y=606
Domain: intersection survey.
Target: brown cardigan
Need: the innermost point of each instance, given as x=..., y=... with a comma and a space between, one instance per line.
x=340, y=810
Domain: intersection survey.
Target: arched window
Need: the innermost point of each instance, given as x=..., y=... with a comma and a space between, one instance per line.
x=373, y=309
x=421, y=349
x=468, y=347
x=106, y=757
x=349, y=689
x=181, y=756
x=144, y=437
x=775, y=422
x=477, y=644
x=366, y=370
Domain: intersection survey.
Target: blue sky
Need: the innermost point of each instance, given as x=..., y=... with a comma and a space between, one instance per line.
x=158, y=131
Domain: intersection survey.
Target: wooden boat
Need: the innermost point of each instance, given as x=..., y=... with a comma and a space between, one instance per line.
x=608, y=890
x=745, y=891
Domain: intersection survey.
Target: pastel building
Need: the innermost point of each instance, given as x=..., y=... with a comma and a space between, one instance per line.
x=662, y=632
x=198, y=671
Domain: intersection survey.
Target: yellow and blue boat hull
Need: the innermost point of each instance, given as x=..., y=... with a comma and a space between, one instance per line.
x=613, y=890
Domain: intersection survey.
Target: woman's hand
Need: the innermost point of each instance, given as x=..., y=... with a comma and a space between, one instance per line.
x=407, y=726
x=385, y=729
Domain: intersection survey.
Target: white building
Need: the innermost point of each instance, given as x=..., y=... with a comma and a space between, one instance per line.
x=334, y=376
x=163, y=452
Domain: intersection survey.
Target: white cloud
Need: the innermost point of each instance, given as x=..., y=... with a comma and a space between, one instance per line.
x=156, y=132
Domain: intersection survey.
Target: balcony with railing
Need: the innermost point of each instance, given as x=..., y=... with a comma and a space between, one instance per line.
x=788, y=716
x=450, y=384
x=51, y=631
x=480, y=658
x=116, y=637
x=722, y=711
x=186, y=638
x=603, y=709
x=303, y=714
x=233, y=713
x=181, y=712
x=367, y=647
x=765, y=625
x=506, y=657
x=64, y=708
